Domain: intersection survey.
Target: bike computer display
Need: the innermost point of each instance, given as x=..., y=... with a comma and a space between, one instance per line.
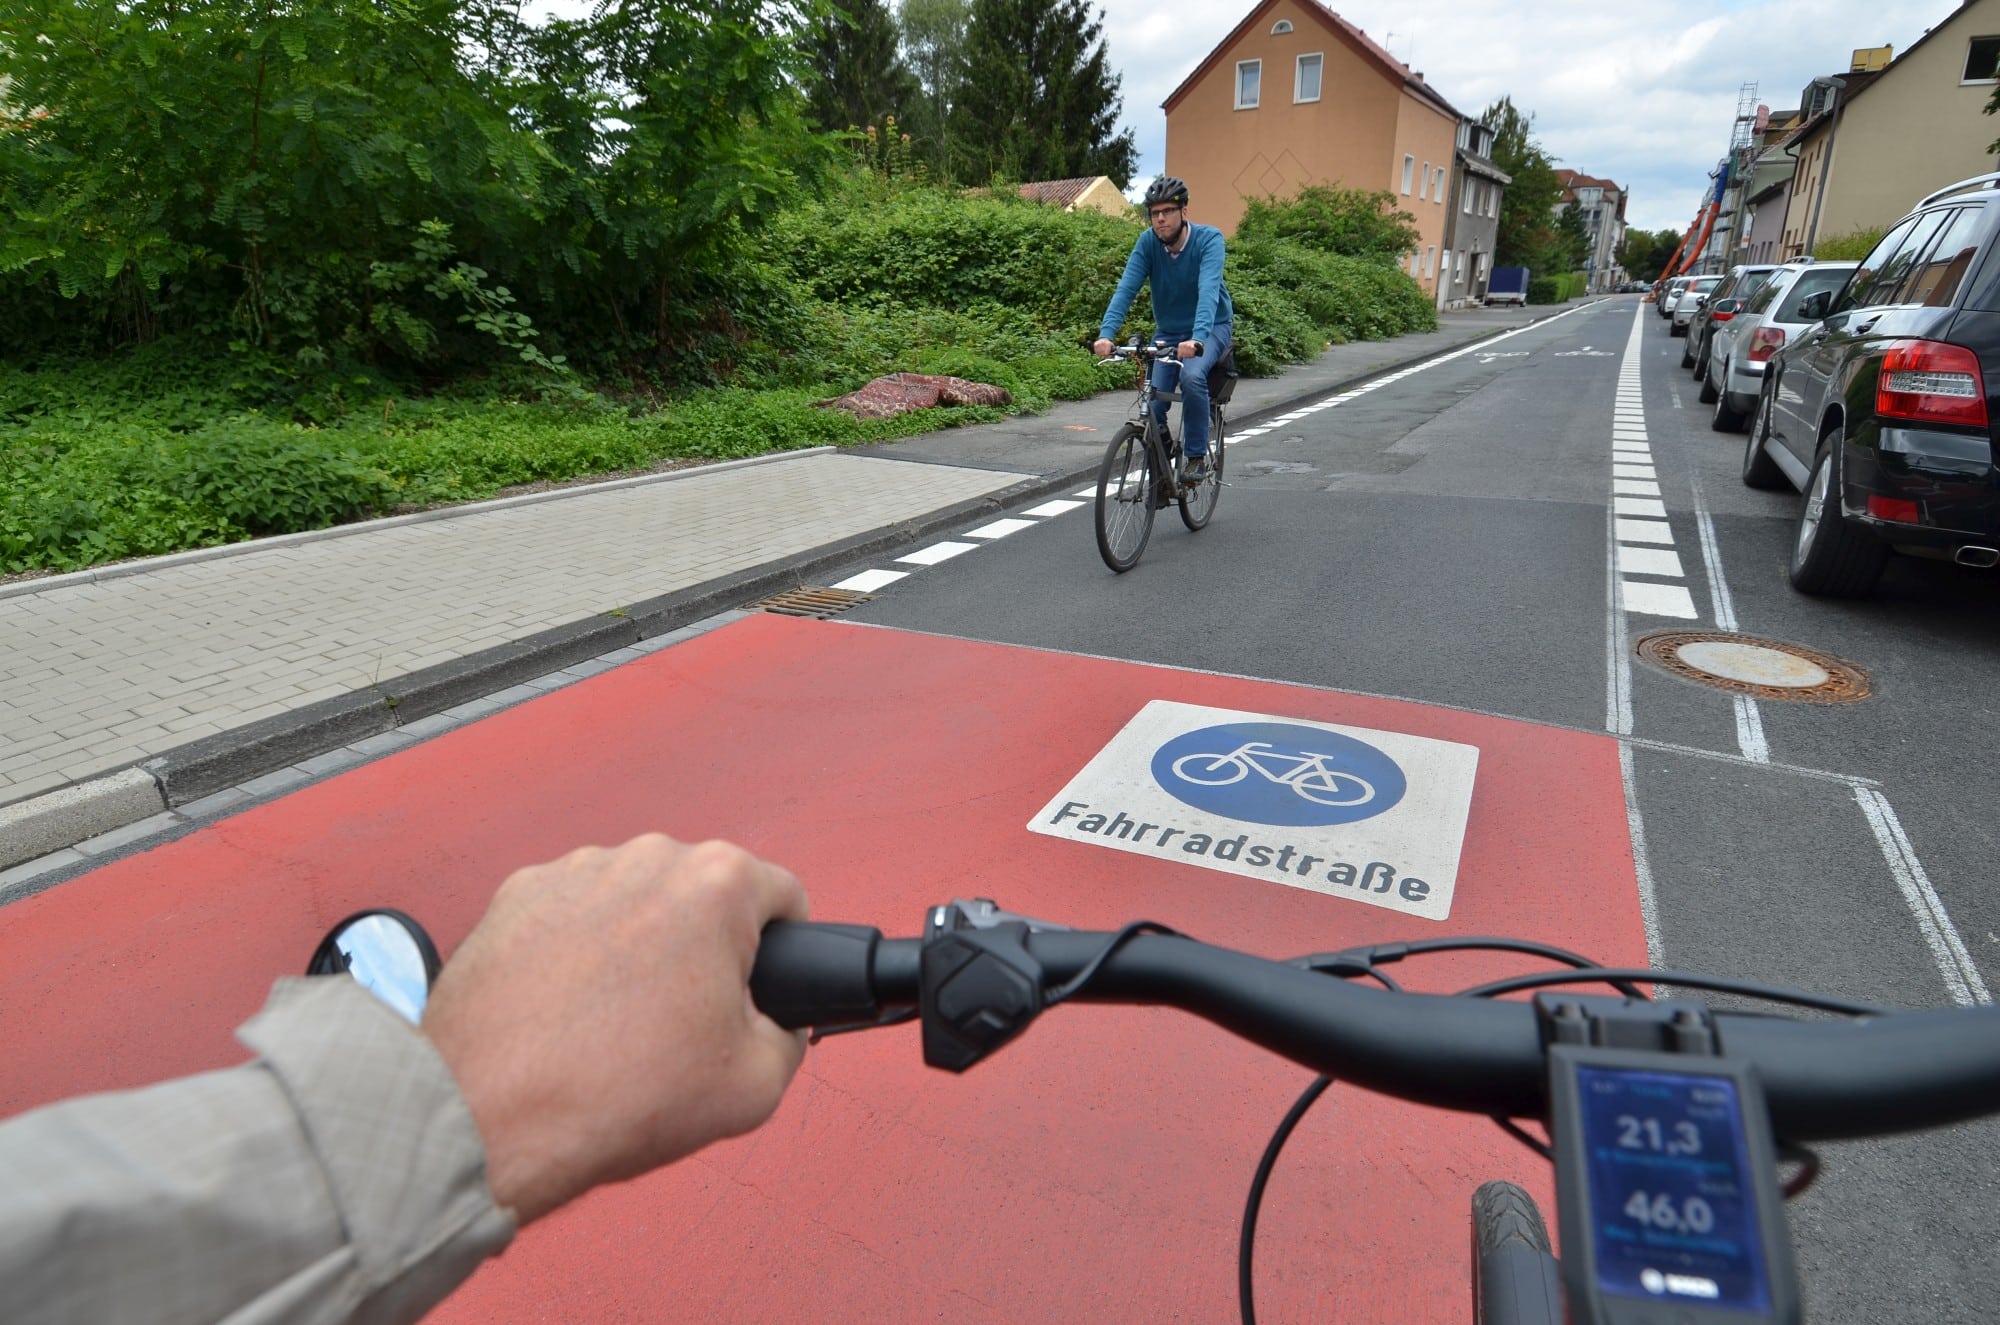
x=1667, y=1190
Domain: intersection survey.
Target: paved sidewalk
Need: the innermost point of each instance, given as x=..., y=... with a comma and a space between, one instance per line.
x=140, y=687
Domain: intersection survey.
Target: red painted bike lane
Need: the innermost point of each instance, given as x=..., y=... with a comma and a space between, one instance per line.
x=1096, y=1168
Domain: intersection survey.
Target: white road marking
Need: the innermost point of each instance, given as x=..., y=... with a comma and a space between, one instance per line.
x=1638, y=506
x=1954, y=963
x=1058, y=507
x=1653, y=599
x=1649, y=561
x=936, y=552
x=1000, y=528
x=1642, y=531
x=1635, y=487
x=869, y=581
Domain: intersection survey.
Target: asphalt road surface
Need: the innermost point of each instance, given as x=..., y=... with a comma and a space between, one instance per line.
x=1449, y=538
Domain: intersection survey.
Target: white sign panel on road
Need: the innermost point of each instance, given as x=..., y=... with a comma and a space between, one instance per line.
x=1371, y=816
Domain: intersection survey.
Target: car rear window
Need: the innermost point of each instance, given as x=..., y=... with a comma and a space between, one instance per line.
x=1809, y=282
x=1936, y=279
x=1766, y=296
x=1751, y=283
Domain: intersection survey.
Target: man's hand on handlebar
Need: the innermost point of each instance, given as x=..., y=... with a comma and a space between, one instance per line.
x=598, y=1020
x=1102, y=348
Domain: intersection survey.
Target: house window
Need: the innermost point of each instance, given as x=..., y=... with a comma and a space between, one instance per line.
x=1982, y=60
x=1409, y=171
x=1465, y=197
x=1424, y=190
x=1305, y=86
x=1492, y=199
x=1249, y=74
x=1281, y=27
x=1431, y=260
x=1437, y=189
x=1459, y=267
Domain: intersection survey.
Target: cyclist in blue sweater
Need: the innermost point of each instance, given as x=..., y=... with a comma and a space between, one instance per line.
x=1183, y=262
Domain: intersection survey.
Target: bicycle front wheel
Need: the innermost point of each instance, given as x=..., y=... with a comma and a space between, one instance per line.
x=1124, y=500
x=1198, y=502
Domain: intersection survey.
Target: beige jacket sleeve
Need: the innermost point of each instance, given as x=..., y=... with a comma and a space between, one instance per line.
x=338, y=1176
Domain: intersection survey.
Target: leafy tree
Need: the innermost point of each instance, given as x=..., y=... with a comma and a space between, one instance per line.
x=1354, y=223
x=1527, y=236
x=1644, y=253
x=425, y=185
x=861, y=75
x=1040, y=100
x=933, y=33
x=1571, y=246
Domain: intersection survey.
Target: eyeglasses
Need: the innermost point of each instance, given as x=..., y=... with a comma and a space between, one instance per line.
x=1160, y=213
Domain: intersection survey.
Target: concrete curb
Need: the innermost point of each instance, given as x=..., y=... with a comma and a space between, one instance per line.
x=53, y=820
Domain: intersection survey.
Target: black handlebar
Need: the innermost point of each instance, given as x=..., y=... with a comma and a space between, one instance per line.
x=1822, y=1080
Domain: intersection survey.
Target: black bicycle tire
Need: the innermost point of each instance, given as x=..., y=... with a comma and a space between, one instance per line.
x=1507, y=1222
x=1210, y=488
x=1124, y=438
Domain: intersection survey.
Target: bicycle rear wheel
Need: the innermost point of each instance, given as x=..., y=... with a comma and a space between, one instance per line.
x=1198, y=502
x=1125, y=499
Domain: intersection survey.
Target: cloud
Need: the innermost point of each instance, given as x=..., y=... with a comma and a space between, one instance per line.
x=1642, y=94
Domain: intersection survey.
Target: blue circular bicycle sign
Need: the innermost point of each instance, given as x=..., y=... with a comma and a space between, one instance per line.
x=1279, y=773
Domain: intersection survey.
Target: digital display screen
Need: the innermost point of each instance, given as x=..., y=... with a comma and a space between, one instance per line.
x=1672, y=1206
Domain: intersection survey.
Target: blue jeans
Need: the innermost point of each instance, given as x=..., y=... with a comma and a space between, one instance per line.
x=1192, y=383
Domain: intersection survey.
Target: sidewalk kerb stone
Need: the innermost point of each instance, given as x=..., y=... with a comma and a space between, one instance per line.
x=62, y=818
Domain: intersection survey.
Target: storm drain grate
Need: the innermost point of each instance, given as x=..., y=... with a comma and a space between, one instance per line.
x=1760, y=668
x=810, y=600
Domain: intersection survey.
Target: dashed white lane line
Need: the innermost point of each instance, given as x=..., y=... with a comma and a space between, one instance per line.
x=1057, y=507
x=937, y=552
x=1000, y=528
x=869, y=581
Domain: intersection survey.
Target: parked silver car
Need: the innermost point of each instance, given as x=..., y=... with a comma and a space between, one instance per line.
x=1691, y=299
x=1672, y=293
x=1740, y=347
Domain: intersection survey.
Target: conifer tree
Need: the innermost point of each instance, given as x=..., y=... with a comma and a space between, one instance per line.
x=1040, y=100
x=862, y=77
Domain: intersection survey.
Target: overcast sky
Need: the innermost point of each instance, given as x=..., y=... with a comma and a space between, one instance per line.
x=1644, y=94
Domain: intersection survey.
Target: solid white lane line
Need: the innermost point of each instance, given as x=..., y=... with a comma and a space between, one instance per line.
x=1750, y=730
x=1954, y=963
x=1642, y=867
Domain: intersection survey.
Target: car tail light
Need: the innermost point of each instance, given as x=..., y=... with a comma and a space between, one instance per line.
x=1720, y=316
x=1764, y=342
x=1931, y=382
x=1893, y=508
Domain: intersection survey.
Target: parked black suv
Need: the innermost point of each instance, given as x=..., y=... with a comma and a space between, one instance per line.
x=1879, y=413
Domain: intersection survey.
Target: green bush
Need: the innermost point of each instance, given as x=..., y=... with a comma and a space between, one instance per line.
x=1353, y=223
x=1544, y=290
x=1849, y=247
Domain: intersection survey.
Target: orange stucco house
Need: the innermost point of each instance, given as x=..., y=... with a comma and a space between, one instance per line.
x=1297, y=95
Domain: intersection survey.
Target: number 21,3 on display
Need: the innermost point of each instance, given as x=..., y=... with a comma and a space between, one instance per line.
x=1647, y=1134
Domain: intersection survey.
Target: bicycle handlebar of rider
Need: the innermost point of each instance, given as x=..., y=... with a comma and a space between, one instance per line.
x=1822, y=1080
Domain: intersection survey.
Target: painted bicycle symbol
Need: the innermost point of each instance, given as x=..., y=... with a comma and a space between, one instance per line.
x=1278, y=773
x=1310, y=776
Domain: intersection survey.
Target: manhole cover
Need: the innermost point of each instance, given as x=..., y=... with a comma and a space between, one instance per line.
x=1761, y=668
x=810, y=600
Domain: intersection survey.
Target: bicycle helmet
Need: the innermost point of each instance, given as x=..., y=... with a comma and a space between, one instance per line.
x=1167, y=188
